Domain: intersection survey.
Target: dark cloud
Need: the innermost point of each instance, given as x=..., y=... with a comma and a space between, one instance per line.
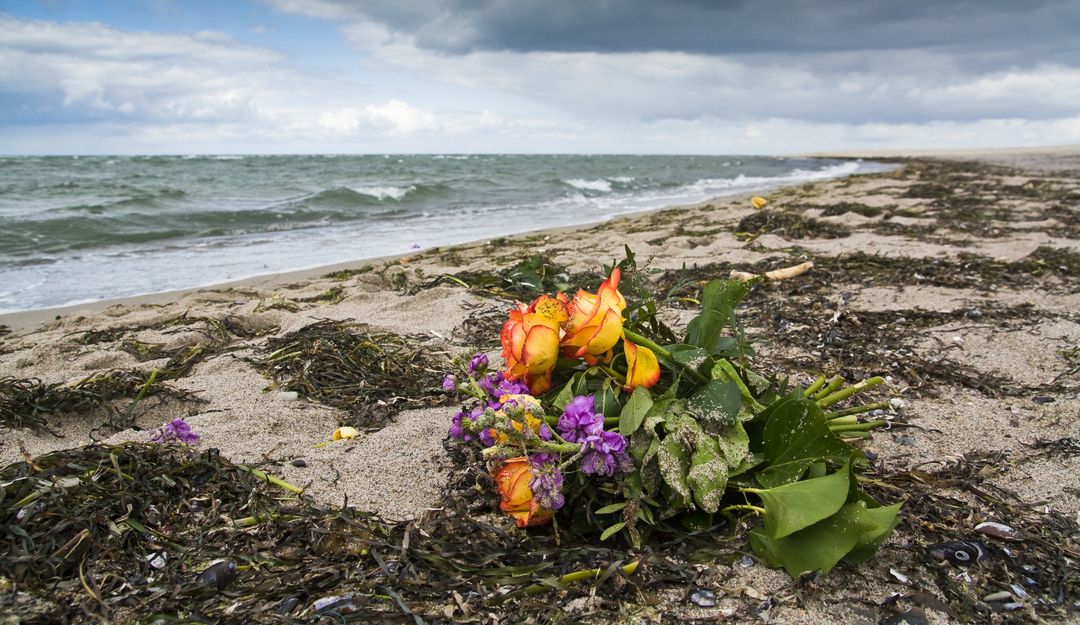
x=1010, y=31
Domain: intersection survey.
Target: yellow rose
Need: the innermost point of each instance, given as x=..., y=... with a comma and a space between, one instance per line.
x=512, y=479
x=595, y=321
x=530, y=341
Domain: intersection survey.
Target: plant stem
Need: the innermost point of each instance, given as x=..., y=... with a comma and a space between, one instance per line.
x=858, y=427
x=833, y=384
x=856, y=410
x=748, y=507
x=841, y=395
x=276, y=481
x=815, y=387
x=578, y=576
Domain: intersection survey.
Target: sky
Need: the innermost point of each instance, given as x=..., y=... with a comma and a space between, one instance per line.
x=535, y=76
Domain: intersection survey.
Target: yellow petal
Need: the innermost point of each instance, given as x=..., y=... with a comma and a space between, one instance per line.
x=758, y=201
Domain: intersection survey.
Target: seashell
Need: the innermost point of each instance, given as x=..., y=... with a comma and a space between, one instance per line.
x=288, y=605
x=157, y=559
x=220, y=575
x=1002, y=595
x=345, y=433
x=961, y=552
x=703, y=598
x=997, y=530
x=343, y=604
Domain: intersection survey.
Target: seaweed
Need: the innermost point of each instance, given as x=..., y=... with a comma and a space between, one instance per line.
x=946, y=504
x=333, y=295
x=790, y=226
x=30, y=402
x=524, y=281
x=835, y=210
x=370, y=375
x=136, y=531
x=344, y=274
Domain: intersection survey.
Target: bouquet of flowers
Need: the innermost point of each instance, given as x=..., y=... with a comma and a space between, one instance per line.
x=593, y=422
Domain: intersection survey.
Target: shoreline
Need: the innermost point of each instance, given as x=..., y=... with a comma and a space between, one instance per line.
x=27, y=320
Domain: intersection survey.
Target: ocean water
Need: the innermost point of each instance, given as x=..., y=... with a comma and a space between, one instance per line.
x=78, y=229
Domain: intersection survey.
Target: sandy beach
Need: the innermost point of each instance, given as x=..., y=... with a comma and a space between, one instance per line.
x=957, y=276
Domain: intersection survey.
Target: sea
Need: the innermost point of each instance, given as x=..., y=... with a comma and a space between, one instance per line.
x=77, y=229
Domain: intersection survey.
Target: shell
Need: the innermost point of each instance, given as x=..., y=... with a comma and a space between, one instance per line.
x=961, y=552
x=220, y=575
x=997, y=530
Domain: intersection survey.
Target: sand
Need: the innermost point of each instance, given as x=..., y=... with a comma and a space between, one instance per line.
x=400, y=470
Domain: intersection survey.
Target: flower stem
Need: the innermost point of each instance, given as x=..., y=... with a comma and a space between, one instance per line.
x=858, y=427
x=841, y=395
x=578, y=576
x=856, y=410
x=815, y=387
x=276, y=481
x=748, y=507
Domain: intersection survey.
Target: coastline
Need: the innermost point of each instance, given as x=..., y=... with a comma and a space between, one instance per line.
x=25, y=320
x=970, y=314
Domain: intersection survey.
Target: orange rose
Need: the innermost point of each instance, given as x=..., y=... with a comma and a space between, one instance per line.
x=642, y=367
x=512, y=479
x=530, y=341
x=595, y=323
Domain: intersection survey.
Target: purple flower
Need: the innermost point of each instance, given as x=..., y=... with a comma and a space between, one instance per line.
x=449, y=383
x=175, y=430
x=605, y=452
x=546, y=484
x=478, y=365
x=579, y=420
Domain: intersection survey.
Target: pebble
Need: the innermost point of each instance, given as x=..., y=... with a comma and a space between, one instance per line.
x=1043, y=399
x=896, y=403
x=703, y=598
x=288, y=605
x=906, y=440
x=299, y=462
x=745, y=562
x=288, y=396
x=220, y=575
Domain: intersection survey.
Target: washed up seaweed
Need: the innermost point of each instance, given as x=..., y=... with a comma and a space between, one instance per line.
x=120, y=533
x=370, y=375
x=1030, y=554
x=523, y=281
x=790, y=225
x=31, y=402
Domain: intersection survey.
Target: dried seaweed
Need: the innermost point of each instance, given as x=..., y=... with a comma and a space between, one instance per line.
x=127, y=533
x=30, y=402
x=790, y=225
x=1041, y=563
x=370, y=375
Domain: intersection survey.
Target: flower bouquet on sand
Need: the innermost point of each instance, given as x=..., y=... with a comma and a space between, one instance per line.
x=605, y=421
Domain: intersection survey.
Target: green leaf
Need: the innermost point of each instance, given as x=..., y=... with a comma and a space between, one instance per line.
x=792, y=507
x=611, y=530
x=869, y=543
x=674, y=460
x=613, y=508
x=734, y=444
x=633, y=413
x=718, y=301
x=716, y=402
x=795, y=436
x=691, y=357
x=604, y=400
x=708, y=474
x=566, y=393
x=821, y=545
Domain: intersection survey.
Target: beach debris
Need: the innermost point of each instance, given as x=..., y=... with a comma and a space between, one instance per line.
x=962, y=552
x=703, y=598
x=913, y=616
x=341, y=604
x=775, y=275
x=287, y=396
x=370, y=375
x=345, y=433
x=758, y=201
x=997, y=530
x=219, y=575
x=789, y=225
x=900, y=577
x=157, y=559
